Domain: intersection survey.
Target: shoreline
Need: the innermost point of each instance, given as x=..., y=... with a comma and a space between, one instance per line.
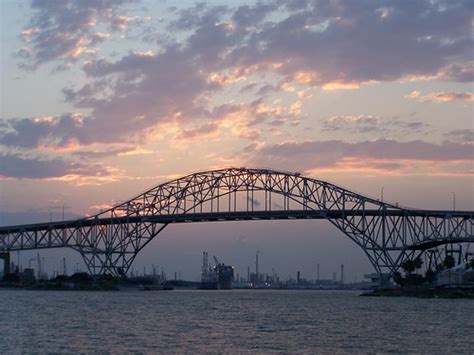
x=127, y=288
x=424, y=292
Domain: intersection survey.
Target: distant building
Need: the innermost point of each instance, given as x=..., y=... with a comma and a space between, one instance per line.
x=256, y=279
x=377, y=280
x=28, y=276
x=459, y=275
x=220, y=276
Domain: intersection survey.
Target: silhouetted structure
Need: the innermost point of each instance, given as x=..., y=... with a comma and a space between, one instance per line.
x=220, y=276
x=110, y=240
x=6, y=263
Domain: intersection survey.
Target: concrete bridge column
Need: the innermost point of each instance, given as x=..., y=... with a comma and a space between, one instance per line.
x=6, y=263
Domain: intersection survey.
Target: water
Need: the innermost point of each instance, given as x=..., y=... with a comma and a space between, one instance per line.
x=231, y=321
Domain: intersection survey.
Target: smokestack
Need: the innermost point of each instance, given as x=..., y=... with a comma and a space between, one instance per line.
x=256, y=264
x=38, y=260
x=342, y=274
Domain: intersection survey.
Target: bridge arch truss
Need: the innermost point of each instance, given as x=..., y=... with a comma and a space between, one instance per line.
x=110, y=240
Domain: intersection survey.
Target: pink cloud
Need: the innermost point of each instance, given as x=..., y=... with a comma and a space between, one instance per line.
x=378, y=155
x=441, y=96
x=63, y=31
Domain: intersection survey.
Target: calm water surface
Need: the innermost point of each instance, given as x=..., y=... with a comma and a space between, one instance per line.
x=232, y=321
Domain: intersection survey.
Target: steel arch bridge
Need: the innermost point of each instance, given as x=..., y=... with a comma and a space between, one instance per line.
x=110, y=240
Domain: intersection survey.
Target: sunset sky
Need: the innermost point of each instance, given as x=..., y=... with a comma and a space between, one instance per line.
x=102, y=99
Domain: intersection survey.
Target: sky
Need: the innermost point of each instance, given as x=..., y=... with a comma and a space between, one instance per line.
x=103, y=99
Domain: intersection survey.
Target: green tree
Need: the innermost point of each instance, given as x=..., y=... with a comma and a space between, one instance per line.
x=417, y=263
x=398, y=279
x=408, y=266
x=449, y=261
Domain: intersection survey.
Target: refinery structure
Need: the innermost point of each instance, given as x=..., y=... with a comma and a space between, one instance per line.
x=219, y=276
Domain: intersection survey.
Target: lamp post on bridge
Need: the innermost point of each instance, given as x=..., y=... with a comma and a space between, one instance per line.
x=381, y=192
x=454, y=201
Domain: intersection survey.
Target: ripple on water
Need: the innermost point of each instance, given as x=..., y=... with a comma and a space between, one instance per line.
x=236, y=321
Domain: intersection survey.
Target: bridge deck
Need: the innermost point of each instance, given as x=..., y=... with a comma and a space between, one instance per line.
x=231, y=216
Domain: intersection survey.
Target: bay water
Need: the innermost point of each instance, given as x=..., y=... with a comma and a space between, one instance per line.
x=233, y=321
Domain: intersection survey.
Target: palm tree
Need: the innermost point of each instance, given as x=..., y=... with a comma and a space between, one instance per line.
x=418, y=263
x=397, y=277
x=408, y=266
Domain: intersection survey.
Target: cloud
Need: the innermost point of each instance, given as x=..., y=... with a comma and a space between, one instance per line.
x=67, y=30
x=380, y=154
x=122, y=121
x=336, y=45
x=17, y=166
x=357, y=123
x=344, y=44
x=442, y=96
x=199, y=132
x=103, y=206
x=39, y=131
x=252, y=147
x=98, y=154
x=301, y=44
x=146, y=90
x=370, y=124
x=461, y=135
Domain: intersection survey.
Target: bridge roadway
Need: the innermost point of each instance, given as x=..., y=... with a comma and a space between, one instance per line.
x=232, y=216
x=249, y=216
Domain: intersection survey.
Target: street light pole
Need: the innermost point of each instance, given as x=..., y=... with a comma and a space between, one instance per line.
x=383, y=187
x=454, y=201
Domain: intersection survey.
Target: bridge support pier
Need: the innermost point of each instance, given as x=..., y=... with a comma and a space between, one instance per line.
x=6, y=263
x=103, y=263
x=114, y=256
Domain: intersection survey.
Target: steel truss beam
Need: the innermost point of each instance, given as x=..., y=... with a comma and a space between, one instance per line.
x=110, y=240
